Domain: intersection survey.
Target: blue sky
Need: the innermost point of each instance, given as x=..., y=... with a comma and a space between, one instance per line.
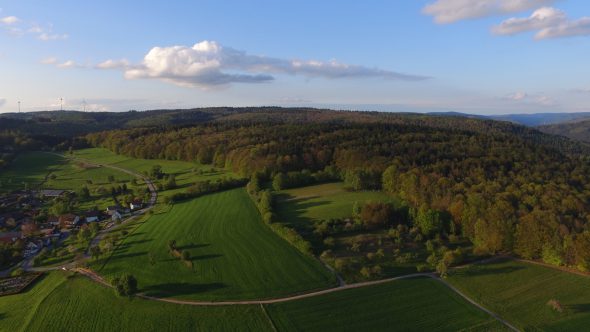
x=475, y=56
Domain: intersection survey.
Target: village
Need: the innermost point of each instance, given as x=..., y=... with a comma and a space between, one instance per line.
x=30, y=234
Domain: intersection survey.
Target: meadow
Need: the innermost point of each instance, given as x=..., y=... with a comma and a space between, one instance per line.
x=519, y=292
x=73, y=303
x=299, y=207
x=29, y=170
x=186, y=173
x=233, y=253
x=417, y=304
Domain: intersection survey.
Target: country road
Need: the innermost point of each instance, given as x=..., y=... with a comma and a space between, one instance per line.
x=96, y=240
x=97, y=278
x=341, y=287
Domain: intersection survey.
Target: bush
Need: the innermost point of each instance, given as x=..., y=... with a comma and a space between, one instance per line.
x=125, y=285
x=17, y=272
x=555, y=305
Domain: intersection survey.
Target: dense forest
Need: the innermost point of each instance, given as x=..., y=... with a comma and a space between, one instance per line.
x=507, y=188
x=577, y=130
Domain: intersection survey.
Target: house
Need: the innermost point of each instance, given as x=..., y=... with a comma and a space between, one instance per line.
x=10, y=237
x=30, y=249
x=137, y=204
x=93, y=216
x=52, y=232
x=51, y=193
x=53, y=220
x=69, y=220
x=116, y=216
x=112, y=209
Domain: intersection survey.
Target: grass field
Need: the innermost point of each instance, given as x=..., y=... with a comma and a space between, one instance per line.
x=519, y=292
x=28, y=170
x=186, y=173
x=235, y=255
x=59, y=303
x=299, y=207
x=16, y=311
x=420, y=304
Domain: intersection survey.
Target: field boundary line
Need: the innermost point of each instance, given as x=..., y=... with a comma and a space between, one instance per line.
x=272, y=323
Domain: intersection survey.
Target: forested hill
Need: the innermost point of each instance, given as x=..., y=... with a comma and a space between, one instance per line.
x=506, y=187
x=576, y=130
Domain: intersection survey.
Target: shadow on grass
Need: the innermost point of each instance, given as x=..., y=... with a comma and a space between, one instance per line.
x=193, y=246
x=579, y=308
x=175, y=289
x=489, y=270
x=121, y=256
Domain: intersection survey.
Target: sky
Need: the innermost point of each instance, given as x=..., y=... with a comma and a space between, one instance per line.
x=472, y=56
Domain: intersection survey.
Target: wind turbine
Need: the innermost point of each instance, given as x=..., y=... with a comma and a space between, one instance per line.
x=84, y=104
x=19, y=106
x=61, y=104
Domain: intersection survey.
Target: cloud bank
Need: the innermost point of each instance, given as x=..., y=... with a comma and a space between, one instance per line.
x=209, y=64
x=548, y=22
x=450, y=11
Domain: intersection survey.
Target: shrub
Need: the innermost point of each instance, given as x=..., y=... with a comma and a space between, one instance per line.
x=555, y=305
x=125, y=285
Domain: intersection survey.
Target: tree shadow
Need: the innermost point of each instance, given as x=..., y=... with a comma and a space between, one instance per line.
x=488, y=270
x=193, y=246
x=121, y=256
x=203, y=257
x=579, y=308
x=175, y=289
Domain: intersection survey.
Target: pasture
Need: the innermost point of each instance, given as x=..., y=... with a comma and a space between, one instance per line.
x=299, y=207
x=186, y=173
x=519, y=292
x=61, y=303
x=418, y=304
x=29, y=170
x=234, y=254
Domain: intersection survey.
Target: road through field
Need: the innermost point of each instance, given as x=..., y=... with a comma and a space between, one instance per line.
x=97, y=278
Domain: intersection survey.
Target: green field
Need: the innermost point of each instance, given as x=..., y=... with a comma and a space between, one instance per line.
x=420, y=304
x=235, y=255
x=59, y=303
x=29, y=170
x=519, y=293
x=186, y=173
x=299, y=207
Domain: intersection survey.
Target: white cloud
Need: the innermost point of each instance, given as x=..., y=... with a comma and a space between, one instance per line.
x=548, y=22
x=208, y=64
x=69, y=64
x=531, y=99
x=450, y=11
x=114, y=64
x=539, y=19
x=8, y=20
x=44, y=36
x=580, y=27
x=49, y=61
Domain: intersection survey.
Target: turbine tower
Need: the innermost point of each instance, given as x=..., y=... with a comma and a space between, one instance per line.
x=19, y=106
x=61, y=104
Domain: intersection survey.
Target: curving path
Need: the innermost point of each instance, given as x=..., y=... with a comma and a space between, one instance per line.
x=97, y=278
x=341, y=287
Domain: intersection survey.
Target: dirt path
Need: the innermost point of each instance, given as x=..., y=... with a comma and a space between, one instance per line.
x=97, y=278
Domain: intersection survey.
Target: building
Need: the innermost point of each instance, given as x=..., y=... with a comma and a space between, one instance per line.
x=69, y=220
x=137, y=204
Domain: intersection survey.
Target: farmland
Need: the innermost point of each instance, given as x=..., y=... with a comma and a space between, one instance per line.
x=418, y=304
x=29, y=170
x=61, y=303
x=186, y=173
x=234, y=255
x=299, y=207
x=519, y=292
